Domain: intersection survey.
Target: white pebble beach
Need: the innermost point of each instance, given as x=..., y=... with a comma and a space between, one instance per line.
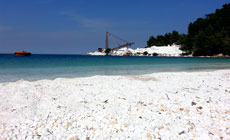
x=164, y=106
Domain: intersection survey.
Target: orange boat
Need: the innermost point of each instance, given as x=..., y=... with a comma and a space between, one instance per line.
x=126, y=54
x=24, y=53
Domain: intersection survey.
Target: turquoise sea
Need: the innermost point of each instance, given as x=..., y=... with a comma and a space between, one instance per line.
x=38, y=67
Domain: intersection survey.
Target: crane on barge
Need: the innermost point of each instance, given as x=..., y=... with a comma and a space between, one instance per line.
x=117, y=41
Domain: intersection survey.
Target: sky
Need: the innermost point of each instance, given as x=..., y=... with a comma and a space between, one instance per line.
x=79, y=26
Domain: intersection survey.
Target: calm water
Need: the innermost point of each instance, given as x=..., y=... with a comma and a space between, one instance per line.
x=38, y=67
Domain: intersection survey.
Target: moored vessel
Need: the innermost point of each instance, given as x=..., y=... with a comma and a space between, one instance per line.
x=126, y=54
x=23, y=53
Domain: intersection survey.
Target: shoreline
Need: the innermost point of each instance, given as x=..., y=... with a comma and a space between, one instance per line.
x=161, y=56
x=114, y=75
x=85, y=54
x=176, y=105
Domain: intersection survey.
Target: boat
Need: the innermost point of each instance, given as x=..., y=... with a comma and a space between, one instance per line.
x=23, y=53
x=127, y=54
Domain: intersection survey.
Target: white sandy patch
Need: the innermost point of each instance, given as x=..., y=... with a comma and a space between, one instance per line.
x=158, y=106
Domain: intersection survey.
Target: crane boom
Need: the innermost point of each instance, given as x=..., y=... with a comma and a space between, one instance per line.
x=115, y=39
x=123, y=46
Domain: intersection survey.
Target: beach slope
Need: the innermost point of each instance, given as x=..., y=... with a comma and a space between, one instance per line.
x=174, y=105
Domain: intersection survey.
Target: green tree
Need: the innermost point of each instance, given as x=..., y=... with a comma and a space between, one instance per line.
x=152, y=41
x=209, y=35
x=145, y=53
x=174, y=38
x=160, y=40
x=167, y=39
x=107, y=51
x=155, y=54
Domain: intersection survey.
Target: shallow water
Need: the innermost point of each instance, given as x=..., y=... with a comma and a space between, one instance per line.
x=38, y=67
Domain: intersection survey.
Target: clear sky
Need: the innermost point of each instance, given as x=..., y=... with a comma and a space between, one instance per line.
x=79, y=26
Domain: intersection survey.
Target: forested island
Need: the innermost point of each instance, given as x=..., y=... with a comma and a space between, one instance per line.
x=208, y=36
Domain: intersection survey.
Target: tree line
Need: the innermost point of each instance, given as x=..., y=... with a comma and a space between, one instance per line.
x=167, y=39
x=206, y=36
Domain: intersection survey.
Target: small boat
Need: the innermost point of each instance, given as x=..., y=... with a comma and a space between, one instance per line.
x=126, y=54
x=23, y=53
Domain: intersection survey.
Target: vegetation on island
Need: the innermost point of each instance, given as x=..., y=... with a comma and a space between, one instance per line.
x=168, y=39
x=206, y=36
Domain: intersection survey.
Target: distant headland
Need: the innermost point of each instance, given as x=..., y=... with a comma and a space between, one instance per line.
x=206, y=37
